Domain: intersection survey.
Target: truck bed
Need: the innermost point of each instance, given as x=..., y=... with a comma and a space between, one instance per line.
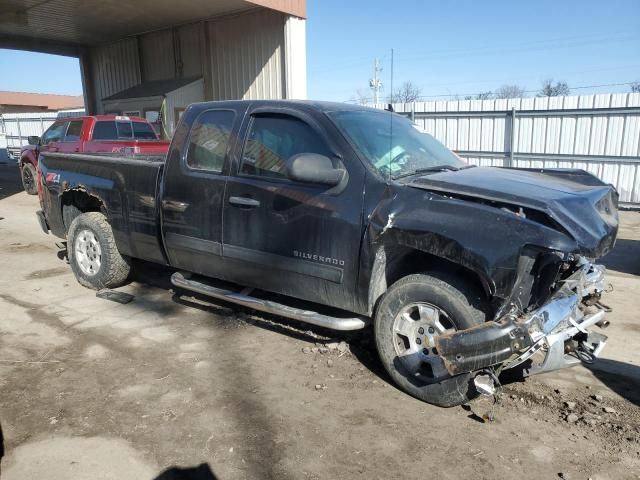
x=127, y=186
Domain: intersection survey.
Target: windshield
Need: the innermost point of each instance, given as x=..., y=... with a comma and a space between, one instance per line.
x=397, y=149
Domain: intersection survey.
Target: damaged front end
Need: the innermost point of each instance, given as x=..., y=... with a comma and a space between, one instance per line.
x=555, y=335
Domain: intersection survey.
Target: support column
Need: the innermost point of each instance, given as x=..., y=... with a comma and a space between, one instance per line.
x=295, y=58
x=88, y=88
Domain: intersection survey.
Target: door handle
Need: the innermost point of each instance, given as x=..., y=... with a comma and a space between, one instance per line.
x=244, y=202
x=174, y=205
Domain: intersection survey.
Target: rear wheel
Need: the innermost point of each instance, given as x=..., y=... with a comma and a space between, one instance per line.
x=28, y=173
x=410, y=316
x=93, y=255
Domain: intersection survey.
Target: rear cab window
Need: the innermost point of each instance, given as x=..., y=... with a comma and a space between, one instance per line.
x=123, y=130
x=105, y=130
x=209, y=140
x=274, y=139
x=143, y=131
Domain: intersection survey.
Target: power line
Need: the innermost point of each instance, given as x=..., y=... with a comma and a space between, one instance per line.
x=487, y=50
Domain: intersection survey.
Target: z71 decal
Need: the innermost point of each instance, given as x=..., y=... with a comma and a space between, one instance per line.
x=53, y=177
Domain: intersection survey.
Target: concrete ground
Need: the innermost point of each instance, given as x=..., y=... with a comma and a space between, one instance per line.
x=171, y=387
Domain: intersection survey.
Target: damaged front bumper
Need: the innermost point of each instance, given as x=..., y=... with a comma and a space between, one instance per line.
x=556, y=335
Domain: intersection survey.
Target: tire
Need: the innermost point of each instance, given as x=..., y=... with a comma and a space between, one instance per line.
x=29, y=178
x=421, y=299
x=90, y=237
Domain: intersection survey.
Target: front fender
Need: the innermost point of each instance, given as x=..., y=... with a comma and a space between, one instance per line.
x=488, y=241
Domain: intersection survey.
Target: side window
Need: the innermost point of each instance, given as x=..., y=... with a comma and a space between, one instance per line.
x=209, y=140
x=143, y=131
x=124, y=130
x=73, y=132
x=274, y=139
x=55, y=133
x=105, y=130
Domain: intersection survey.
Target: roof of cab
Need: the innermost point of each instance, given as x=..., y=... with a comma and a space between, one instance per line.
x=102, y=118
x=312, y=104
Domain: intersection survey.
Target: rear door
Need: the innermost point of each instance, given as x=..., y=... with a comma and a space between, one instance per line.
x=193, y=190
x=298, y=239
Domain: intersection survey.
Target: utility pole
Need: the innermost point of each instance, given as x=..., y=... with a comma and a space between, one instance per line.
x=375, y=83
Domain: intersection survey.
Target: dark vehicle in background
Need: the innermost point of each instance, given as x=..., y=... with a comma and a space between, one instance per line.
x=97, y=134
x=342, y=216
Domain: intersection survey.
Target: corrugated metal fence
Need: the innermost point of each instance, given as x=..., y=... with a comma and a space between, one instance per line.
x=597, y=133
x=16, y=127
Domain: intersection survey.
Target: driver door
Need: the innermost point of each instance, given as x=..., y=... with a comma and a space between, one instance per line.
x=53, y=136
x=298, y=239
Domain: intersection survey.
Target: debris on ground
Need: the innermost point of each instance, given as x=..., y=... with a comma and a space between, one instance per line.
x=572, y=418
x=618, y=422
x=115, y=296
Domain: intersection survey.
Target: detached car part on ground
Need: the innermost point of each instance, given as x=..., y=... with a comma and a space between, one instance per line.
x=315, y=212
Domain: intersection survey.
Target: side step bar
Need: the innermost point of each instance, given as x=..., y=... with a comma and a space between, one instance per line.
x=182, y=280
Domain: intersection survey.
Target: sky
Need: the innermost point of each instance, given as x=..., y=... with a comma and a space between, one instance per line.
x=446, y=48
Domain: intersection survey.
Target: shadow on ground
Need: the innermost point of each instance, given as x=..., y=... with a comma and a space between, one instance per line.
x=624, y=258
x=622, y=378
x=201, y=472
x=361, y=343
x=10, y=182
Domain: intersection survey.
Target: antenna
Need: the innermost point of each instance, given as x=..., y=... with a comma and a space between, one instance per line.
x=375, y=83
x=391, y=118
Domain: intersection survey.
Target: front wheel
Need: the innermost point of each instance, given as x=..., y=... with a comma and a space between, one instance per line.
x=28, y=174
x=93, y=254
x=411, y=314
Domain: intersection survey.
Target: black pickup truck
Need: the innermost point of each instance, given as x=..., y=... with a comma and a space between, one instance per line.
x=343, y=216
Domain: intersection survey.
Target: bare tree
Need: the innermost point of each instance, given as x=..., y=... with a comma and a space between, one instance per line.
x=407, y=93
x=560, y=89
x=480, y=96
x=635, y=87
x=510, y=91
x=361, y=97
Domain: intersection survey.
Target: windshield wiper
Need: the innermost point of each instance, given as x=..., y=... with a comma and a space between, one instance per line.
x=437, y=168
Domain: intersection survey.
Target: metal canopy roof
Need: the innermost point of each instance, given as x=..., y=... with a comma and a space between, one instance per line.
x=61, y=26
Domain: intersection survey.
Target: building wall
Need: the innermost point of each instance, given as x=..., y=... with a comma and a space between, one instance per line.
x=243, y=56
x=180, y=99
x=113, y=68
x=118, y=107
x=21, y=109
x=247, y=54
x=191, y=41
x=158, y=55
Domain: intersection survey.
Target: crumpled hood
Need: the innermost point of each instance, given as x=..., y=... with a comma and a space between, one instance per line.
x=582, y=204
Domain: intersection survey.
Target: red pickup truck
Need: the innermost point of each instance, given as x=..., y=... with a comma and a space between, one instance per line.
x=96, y=134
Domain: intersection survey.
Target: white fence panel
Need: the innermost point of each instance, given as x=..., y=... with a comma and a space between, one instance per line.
x=597, y=133
x=18, y=126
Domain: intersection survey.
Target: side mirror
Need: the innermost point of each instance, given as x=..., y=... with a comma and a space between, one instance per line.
x=33, y=140
x=314, y=168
